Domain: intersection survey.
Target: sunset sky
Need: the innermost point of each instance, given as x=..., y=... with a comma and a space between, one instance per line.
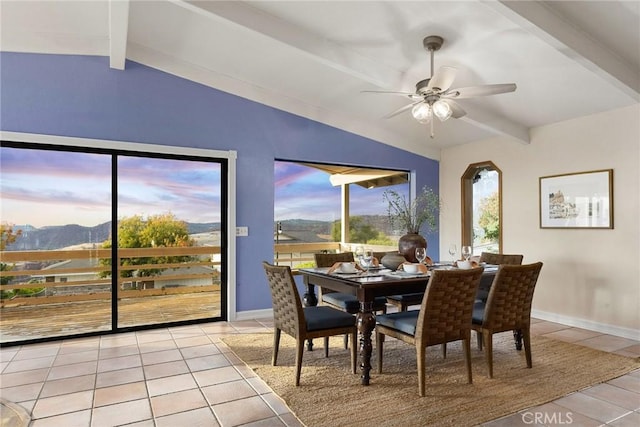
x=304, y=192
x=41, y=188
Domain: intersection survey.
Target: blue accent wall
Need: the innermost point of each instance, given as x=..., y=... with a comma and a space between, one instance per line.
x=80, y=96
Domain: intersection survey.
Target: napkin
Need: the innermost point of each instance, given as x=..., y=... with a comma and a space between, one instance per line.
x=422, y=268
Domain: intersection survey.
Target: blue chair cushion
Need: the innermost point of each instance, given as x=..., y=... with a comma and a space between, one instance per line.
x=350, y=303
x=478, y=312
x=482, y=295
x=323, y=317
x=404, y=321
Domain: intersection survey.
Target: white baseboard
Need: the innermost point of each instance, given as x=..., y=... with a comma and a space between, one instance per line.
x=618, y=331
x=254, y=314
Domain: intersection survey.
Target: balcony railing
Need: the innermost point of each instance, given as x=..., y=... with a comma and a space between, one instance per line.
x=294, y=254
x=84, y=274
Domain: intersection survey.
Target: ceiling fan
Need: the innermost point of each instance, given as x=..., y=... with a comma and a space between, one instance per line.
x=434, y=96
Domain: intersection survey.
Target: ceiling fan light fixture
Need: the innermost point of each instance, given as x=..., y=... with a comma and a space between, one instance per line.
x=442, y=110
x=422, y=112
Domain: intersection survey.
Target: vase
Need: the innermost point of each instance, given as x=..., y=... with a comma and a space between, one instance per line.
x=392, y=260
x=408, y=243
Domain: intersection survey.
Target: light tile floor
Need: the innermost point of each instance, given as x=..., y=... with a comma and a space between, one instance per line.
x=185, y=376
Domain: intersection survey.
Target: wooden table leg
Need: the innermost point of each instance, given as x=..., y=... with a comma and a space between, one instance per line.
x=517, y=337
x=309, y=299
x=366, y=321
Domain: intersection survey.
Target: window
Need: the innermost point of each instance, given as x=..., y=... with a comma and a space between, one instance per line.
x=482, y=207
x=320, y=203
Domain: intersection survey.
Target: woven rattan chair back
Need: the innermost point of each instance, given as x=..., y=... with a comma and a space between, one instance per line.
x=500, y=259
x=445, y=313
x=327, y=260
x=509, y=304
x=287, y=306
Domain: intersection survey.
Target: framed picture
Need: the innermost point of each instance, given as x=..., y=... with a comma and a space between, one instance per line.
x=577, y=200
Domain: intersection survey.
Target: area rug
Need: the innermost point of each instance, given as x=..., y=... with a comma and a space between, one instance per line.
x=329, y=395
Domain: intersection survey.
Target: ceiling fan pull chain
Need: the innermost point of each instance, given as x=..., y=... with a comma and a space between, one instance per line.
x=432, y=134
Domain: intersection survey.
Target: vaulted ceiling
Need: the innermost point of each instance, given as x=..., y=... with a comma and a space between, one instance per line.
x=315, y=58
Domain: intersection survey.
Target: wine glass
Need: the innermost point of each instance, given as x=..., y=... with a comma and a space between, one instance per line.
x=359, y=253
x=421, y=254
x=453, y=250
x=367, y=259
x=466, y=252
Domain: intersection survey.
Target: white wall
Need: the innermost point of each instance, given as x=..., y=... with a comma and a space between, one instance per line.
x=590, y=278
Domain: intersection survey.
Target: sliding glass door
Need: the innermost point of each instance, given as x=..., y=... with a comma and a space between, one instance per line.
x=62, y=208
x=169, y=234
x=56, y=212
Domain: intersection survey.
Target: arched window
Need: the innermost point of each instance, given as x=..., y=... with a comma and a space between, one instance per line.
x=482, y=207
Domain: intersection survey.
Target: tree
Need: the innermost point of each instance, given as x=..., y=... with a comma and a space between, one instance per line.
x=7, y=237
x=382, y=239
x=490, y=217
x=359, y=231
x=162, y=230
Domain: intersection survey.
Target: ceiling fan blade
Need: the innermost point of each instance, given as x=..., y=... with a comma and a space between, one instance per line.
x=388, y=92
x=402, y=109
x=456, y=110
x=470, y=92
x=442, y=79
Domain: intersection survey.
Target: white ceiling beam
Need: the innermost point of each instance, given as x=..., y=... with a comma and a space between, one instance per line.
x=541, y=21
x=118, y=30
x=498, y=124
x=320, y=49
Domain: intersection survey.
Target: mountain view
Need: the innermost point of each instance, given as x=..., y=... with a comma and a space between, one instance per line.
x=56, y=237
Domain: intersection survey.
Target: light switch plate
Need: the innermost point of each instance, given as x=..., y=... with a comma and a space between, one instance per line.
x=242, y=231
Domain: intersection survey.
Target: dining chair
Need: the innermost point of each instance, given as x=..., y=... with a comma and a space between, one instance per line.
x=496, y=259
x=340, y=300
x=508, y=308
x=403, y=301
x=499, y=259
x=302, y=323
x=444, y=316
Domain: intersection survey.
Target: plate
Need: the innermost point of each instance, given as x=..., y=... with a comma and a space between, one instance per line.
x=440, y=264
x=405, y=275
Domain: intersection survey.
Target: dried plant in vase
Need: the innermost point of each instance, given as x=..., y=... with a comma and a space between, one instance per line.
x=412, y=217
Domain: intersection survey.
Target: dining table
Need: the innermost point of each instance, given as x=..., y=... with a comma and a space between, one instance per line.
x=366, y=285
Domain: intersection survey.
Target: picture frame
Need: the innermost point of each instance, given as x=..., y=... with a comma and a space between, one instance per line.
x=577, y=200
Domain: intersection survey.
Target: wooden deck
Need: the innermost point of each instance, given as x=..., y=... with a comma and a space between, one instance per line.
x=55, y=320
